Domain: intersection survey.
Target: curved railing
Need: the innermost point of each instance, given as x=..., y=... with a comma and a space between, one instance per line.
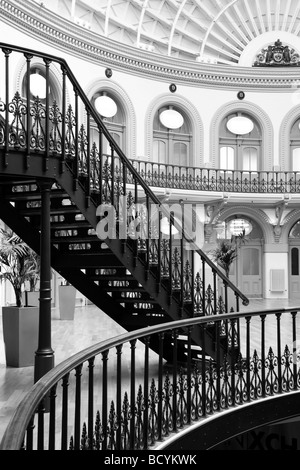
x=65, y=132
x=118, y=395
x=162, y=175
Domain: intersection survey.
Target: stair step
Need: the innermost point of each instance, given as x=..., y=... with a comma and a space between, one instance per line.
x=76, y=225
x=75, y=239
x=89, y=260
x=34, y=195
x=11, y=181
x=113, y=277
x=132, y=300
x=140, y=321
x=53, y=210
x=146, y=312
x=123, y=289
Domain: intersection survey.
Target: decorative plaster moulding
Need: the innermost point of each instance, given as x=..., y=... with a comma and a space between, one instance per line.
x=72, y=39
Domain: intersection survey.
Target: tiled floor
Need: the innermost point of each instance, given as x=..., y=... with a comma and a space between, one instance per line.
x=89, y=326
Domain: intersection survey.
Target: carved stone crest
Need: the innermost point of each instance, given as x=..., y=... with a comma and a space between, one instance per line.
x=277, y=55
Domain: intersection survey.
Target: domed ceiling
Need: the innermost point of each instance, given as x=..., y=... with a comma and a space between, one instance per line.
x=212, y=31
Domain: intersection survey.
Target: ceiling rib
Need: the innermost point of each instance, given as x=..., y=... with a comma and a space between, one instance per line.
x=237, y=29
x=277, y=15
x=220, y=29
x=269, y=16
x=260, y=17
x=251, y=16
x=286, y=15
x=141, y=22
x=107, y=18
x=214, y=21
x=244, y=24
x=293, y=20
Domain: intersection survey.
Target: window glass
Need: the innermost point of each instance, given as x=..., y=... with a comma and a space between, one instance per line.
x=295, y=262
x=171, y=144
x=296, y=159
x=250, y=159
x=295, y=231
x=159, y=151
x=250, y=262
x=240, y=125
x=227, y=158
x=180, y=154
x=117, y=138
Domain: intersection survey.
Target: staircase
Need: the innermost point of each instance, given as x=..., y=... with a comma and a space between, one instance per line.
x=137, y=275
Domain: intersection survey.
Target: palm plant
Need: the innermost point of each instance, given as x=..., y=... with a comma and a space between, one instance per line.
x=225, y=254
x=227, y=251
x=18, y=261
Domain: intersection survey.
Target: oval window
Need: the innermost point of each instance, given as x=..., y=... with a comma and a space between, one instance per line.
x=105, y=106
x=240, y=125
x=171, y=119
x=238, y=226
x=38, y=85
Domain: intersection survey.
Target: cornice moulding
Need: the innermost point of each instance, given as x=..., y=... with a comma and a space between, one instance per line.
x=73, y=39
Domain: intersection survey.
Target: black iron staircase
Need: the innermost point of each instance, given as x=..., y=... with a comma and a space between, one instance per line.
x=139, y=280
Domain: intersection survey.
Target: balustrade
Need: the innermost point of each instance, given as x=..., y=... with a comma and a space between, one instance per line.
x=212, y=179
x=120, y=395
x=67, y=134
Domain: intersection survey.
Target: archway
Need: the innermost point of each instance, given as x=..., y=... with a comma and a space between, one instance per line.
x=244, y=236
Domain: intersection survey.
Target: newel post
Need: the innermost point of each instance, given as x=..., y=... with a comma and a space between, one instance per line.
x=44, y=356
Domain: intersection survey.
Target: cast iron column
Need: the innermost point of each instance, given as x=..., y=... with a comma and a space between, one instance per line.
x=44, y=356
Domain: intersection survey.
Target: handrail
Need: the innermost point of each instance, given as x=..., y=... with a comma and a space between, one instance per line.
x=14, y=434
x=182, y=177
x=127, y=165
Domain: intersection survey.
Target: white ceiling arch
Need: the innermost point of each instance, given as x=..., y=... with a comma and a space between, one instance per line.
x=213, y=31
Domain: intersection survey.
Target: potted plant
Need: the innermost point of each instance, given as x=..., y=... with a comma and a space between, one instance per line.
x=67, y=300
x=32, y=293
x=20, y=322
x=227, y=251
x=225, y=254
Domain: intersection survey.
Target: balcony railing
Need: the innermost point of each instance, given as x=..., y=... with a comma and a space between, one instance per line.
x=210, y=179
x=51, y=136
x=95, y=401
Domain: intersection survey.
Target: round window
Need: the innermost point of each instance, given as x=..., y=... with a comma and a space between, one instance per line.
x=238, y=226
x=171, y=119
x=240, y=125
x=106, y=106
x=38, y=85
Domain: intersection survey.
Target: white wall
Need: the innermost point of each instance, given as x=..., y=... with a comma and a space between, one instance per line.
x=277, y=260
x=142, y=91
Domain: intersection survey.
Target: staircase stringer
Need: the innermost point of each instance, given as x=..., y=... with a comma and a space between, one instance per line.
x=93, y=292
x=136, y=266
x=79, y=280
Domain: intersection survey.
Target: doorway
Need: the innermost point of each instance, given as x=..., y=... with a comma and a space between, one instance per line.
x=294, y=272
x=246, y=271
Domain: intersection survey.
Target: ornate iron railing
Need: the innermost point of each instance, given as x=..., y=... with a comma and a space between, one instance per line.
x=117, y=395
x=67, y=133
x=170, y=176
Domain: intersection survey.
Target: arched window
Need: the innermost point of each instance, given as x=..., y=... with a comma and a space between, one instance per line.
x=295, y=231
x=111, y=111
x=38, y=85
x=171, y=137
x=295, y=146
x=240, y=143
x=236, y=225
